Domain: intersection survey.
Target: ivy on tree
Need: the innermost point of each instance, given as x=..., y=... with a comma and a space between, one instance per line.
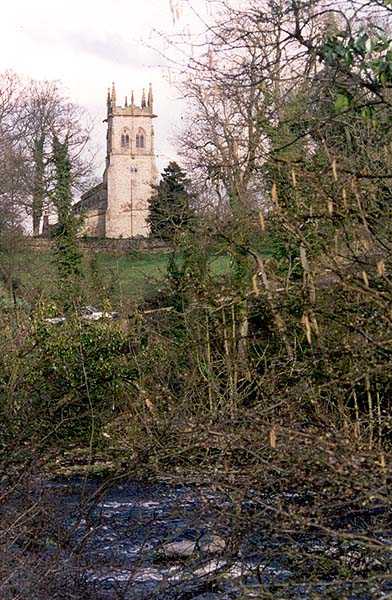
x=169, y=206
x=67, y=254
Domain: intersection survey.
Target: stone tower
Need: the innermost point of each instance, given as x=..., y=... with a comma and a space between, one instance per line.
x=130, y=165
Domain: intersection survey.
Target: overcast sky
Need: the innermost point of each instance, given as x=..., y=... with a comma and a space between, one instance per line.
x=86, y=44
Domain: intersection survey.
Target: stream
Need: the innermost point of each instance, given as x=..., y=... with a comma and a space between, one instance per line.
x=161, y=541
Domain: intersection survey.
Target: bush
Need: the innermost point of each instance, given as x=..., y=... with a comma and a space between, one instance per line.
x=70, y=378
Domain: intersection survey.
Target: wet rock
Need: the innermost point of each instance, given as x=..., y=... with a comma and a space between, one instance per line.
x=212, y=544
x=208, y=596
x=179, y=549
x=207, y=544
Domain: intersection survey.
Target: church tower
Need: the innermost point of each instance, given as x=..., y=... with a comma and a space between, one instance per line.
x=130, y=165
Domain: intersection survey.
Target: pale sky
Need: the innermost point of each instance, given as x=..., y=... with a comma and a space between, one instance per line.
x=87, y=44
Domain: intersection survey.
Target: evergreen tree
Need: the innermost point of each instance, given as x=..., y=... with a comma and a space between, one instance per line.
x=169, y=206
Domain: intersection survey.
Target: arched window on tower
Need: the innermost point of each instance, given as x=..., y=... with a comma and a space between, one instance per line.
x=125, y=140
x=140, y=138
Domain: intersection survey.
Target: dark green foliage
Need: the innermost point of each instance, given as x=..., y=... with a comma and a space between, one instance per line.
x=78, y=377
x=170, y=204
x=67, y=255
x=366, y=52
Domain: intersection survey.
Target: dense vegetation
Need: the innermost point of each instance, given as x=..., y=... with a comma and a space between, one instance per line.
x=273, y=374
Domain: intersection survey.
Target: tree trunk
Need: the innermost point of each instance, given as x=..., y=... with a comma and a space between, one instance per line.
x=39, y=187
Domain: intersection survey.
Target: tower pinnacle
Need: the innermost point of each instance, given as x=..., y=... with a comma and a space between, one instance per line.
x=150, y=97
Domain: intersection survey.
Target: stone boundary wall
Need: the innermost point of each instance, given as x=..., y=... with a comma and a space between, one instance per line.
x=111, y=246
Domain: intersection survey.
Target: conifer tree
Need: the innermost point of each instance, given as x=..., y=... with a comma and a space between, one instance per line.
x=170, y=204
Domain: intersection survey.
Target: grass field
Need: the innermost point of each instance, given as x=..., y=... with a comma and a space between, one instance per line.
x=134, y=274
x=120, y=277
x=131, y=275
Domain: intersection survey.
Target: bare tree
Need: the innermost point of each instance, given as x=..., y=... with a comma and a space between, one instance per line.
x=284, y=100
x=32, y=113
x=48, y=113
x=237, y=90
x=13, y=172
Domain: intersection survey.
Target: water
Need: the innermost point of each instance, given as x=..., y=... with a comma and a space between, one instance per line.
x=118, y=541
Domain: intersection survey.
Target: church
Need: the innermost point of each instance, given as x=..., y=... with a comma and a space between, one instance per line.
x=118, y=207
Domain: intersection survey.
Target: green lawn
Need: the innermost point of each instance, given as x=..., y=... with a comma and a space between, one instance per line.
x=133, y=275
x=123, y=277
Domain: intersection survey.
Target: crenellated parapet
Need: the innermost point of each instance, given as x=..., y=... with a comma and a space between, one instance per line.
x=131, y=109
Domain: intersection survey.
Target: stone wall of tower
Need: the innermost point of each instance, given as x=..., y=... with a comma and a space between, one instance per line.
x=130, y=171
